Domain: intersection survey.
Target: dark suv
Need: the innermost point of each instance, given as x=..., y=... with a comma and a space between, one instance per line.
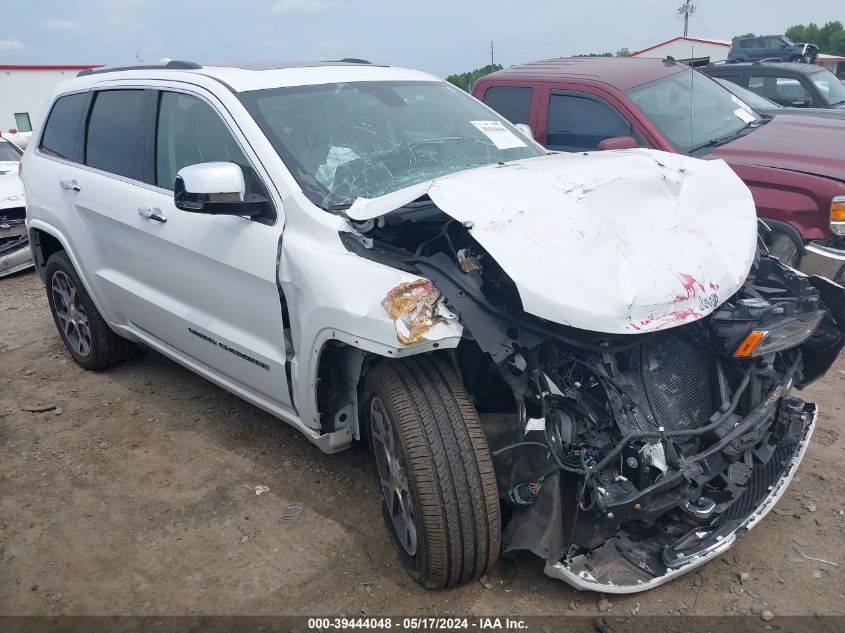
x=773, y=47
x=789, y=85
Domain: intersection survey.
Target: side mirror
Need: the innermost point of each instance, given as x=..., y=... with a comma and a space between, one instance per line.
x=216, y=188
x=526, y=130
x=618, y=142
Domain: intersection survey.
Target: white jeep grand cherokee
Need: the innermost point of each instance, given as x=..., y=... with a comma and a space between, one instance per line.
x=580, y=355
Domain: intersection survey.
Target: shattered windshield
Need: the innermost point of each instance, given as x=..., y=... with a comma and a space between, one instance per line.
x=693, y=111
x=367, y=139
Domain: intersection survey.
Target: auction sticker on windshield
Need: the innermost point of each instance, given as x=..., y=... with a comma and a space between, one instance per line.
x=501, y=137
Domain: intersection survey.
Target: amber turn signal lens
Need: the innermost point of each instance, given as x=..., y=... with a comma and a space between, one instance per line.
x=749, y=344
x=837, y=211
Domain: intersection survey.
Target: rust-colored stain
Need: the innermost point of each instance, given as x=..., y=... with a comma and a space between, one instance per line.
x=412, y=306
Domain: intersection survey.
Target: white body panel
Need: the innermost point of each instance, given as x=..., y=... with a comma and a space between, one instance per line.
x=12, y=196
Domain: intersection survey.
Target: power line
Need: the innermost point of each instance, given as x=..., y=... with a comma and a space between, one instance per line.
x=582, y=33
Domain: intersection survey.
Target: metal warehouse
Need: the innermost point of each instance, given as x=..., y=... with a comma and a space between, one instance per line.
x=24, y=91
x=691, y=50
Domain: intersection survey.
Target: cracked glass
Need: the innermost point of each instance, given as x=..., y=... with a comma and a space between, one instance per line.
x=343, y=141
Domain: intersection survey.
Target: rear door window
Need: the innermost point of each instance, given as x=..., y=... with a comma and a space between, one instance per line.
x=115, y=136
x=786, y=91
x=579, y=122
x=512, y=102
x=62, y=126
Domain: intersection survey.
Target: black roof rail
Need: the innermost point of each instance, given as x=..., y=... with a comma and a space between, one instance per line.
x=171, y=65
x=354, y=60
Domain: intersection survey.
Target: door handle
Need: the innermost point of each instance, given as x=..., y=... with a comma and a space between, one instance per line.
x=153, y=213
x=70, y=185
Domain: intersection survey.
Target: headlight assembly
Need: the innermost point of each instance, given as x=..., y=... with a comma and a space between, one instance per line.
x=779, y=336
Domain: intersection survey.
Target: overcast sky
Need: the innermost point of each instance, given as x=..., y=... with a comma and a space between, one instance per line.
x=440, y=36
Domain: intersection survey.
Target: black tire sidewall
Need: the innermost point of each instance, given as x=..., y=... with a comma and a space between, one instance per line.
x=413, y=564
x=61, y=262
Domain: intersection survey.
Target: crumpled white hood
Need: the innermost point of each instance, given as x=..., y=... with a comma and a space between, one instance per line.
x=618, y=241
x=11, y=188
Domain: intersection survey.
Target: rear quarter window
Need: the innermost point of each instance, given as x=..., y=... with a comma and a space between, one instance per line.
x=512, y=102
x=62, y=126
x=114, y=140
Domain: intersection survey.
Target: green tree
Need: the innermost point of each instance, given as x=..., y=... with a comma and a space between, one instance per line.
x=830, y=38
x=466, y=80
x=608, y=54
x=736, y=37
x=623, y=52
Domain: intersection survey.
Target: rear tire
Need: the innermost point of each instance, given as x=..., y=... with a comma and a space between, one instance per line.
x=441, y=502
x=86, y=335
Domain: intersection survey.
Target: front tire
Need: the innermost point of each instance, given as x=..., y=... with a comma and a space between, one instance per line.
x=440, y=498
x=84, y=332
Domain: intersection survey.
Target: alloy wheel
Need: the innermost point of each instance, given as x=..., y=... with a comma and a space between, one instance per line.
x=393, y=477
x=70, y=313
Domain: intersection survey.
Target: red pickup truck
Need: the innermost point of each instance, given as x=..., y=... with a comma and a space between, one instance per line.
x=794, y=166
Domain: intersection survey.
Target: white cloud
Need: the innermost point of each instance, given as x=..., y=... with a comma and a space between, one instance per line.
x=11, y=45
x=58, y=24
x=300, y=6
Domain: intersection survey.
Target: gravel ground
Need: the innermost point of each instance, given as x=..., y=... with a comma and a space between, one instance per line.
x=136, y=494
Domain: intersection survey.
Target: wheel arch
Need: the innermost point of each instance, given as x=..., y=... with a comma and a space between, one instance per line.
x=44, y=243
x=338, y=363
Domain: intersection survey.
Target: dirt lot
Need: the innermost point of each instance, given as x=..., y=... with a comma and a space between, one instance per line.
x=136, y=495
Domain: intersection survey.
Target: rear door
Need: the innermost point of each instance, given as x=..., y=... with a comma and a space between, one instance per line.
x=512, y=102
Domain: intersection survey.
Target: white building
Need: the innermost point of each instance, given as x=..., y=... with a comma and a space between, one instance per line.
x=691, y=50
x=24, y=91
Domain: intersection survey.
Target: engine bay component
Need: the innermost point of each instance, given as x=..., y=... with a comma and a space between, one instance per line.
x=624, y=459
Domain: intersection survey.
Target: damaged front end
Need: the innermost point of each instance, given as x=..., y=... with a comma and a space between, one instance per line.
x=15, y=254
x=624, y=460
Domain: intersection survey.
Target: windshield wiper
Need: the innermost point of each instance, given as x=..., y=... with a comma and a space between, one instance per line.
x=724, y=139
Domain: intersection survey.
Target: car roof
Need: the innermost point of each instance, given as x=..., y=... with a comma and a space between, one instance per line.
x=246, y=77
x=794, y=67
x=758, y=37
x=620, y=72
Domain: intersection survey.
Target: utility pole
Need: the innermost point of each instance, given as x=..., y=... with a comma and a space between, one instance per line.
x=492, y=65
x=687, y=10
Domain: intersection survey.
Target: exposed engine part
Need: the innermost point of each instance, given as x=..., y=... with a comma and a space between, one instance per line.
x=645, y=439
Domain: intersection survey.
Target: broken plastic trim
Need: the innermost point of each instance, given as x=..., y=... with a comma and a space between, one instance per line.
x=582, y=579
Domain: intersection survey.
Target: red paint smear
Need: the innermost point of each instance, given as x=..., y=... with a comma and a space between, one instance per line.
x=678, y=316
x=714, y=286
x=689, y=282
